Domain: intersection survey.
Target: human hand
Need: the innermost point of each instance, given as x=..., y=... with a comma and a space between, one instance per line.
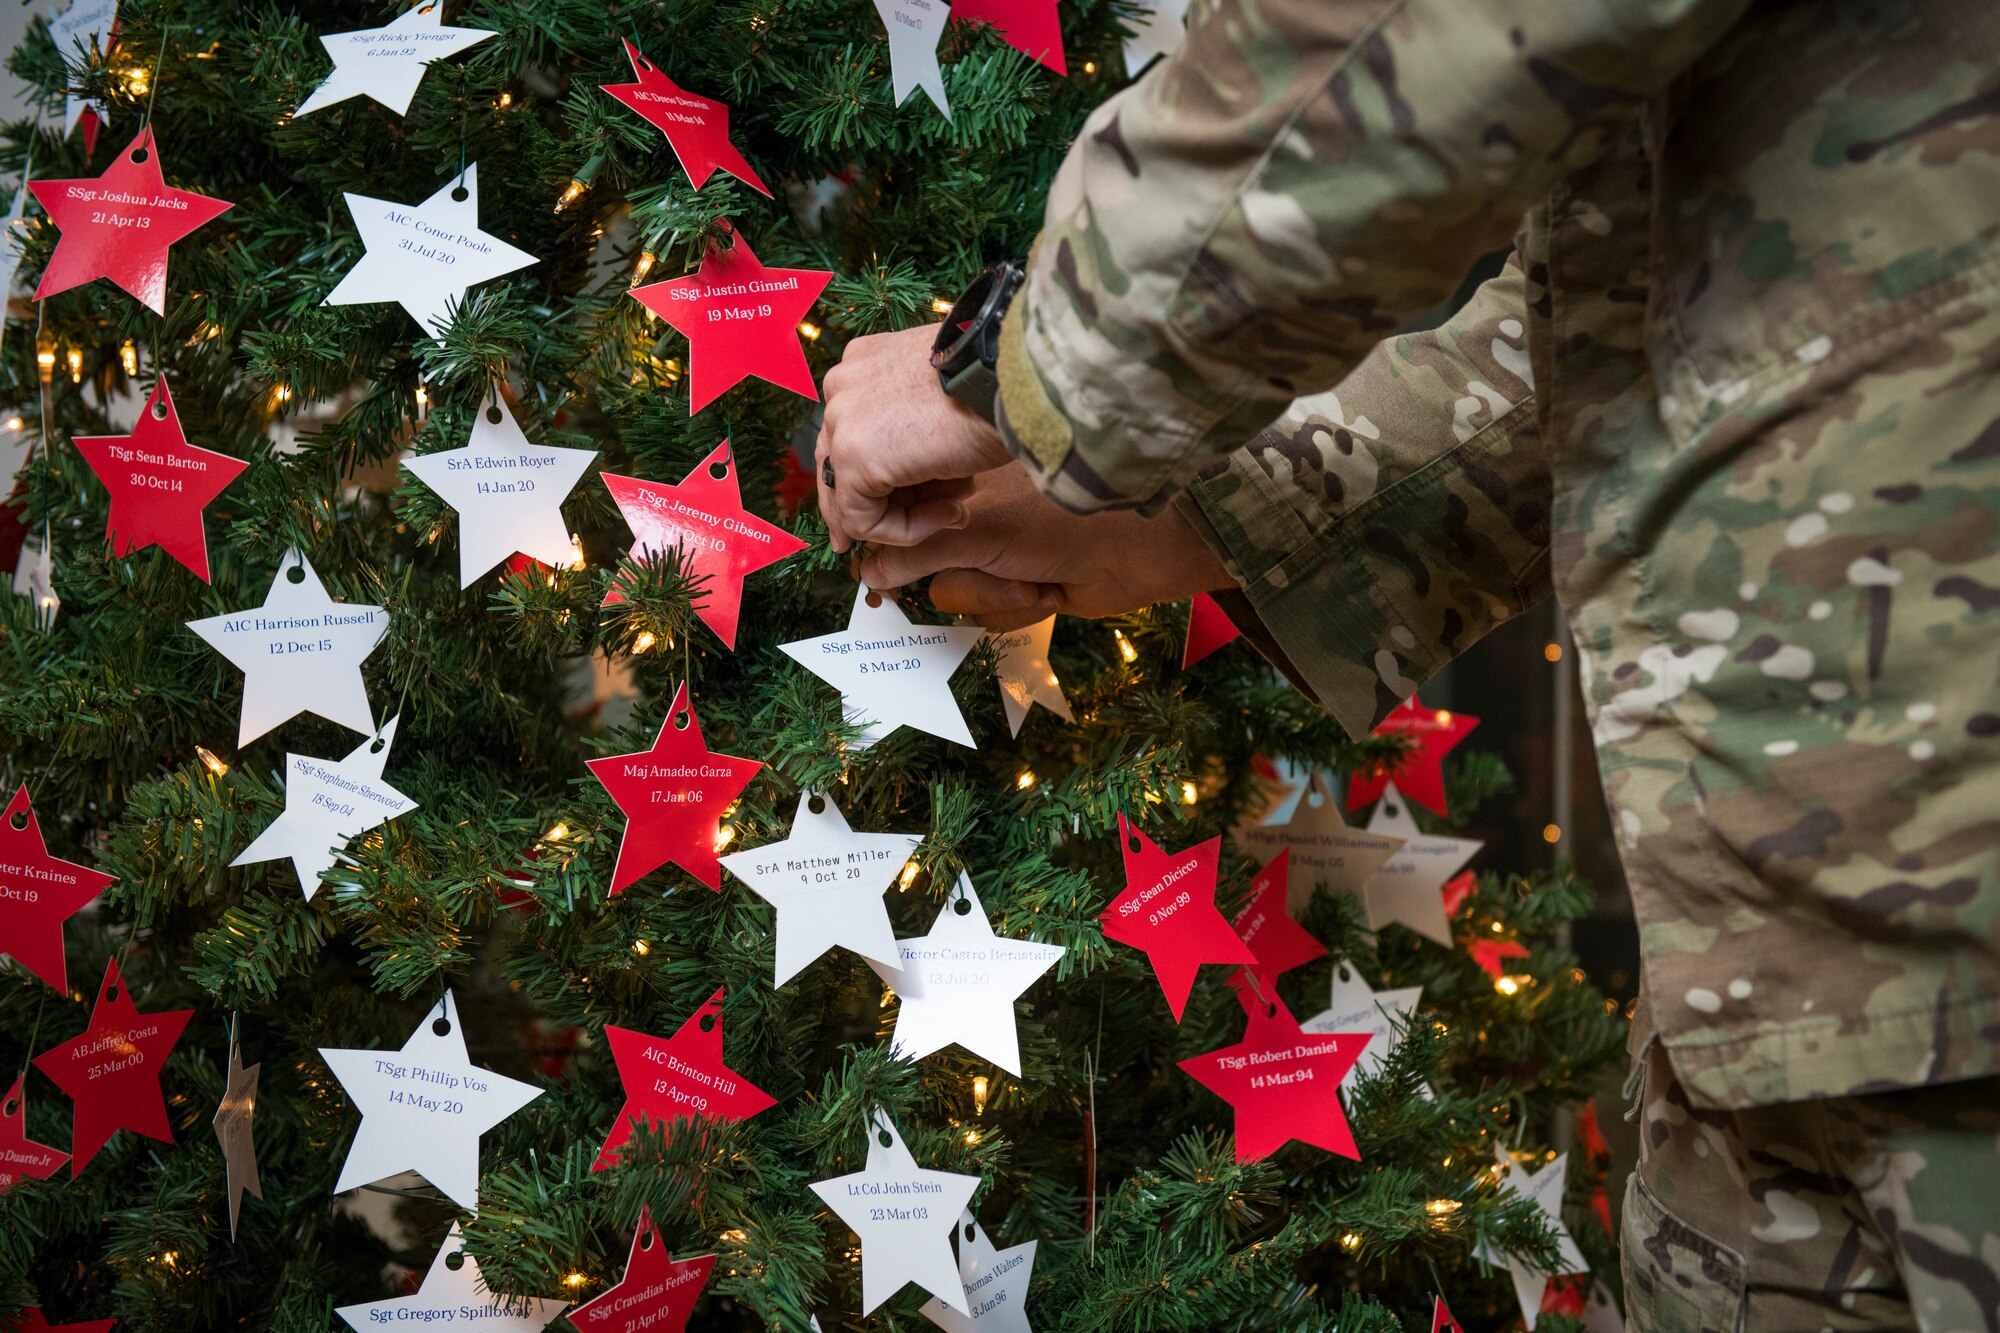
x=1018, y=558
x=902, y=451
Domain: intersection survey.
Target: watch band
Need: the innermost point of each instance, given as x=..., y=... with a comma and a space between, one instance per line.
x=977, y=385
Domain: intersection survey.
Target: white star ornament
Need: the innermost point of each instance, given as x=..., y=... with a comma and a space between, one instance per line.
x=827, y=883
x=891, y=673
x=388, y=63
x=1326, y=852
x=328, y=802
x=1409, y=886
x=424, y=256
x=424, y=1107
x=959, y=984
x=1544, y=1189
x=1157, y=31
x=1356, y=1007
x=995, y=1282
x=87, y=25
x=508, y=493
x=1026, y=678
x=450, y=1294
x=903, y=1214
x=914, y=27
x=300, y=652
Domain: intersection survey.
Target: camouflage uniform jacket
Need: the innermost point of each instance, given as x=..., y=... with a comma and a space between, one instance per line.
x=1736, y=401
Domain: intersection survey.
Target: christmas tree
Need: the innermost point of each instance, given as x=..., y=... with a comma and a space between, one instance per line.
x=501, y=905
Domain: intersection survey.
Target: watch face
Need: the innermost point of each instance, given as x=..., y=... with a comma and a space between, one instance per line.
x=957, y=337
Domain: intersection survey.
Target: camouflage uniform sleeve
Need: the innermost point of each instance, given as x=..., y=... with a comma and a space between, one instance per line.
x=1300, y=177
x=1379, y=529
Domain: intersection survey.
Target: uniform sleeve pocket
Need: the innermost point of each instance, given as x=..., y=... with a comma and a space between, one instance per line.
x=1677, y=1280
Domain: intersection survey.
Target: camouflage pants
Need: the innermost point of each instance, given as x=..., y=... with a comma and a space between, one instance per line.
x=1854, y=1213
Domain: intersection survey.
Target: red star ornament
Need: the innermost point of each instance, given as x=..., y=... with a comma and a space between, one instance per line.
x=90, y=123
x=1279, y=942
x=673, y=796
x=1418, y=774
x=696, y=127
x=38, y=892
x=119, y=225
x=159, y=483
x=657, y=1293
x=1209, y=628
x=1456, y=890
x=112, y=1072
x=1029, y=26
x=740, y=319
x=1168, y=912
x=1441, y=1320
x=719, y=539
x=1282, y=1082
x=20, y=1155
x=1492, y=955
x=32, y=1320
x=679, y=1077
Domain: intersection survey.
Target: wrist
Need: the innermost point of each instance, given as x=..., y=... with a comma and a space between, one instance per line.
x=1178, y=563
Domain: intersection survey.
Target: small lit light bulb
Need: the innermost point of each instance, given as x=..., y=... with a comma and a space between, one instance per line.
x=209, y=761
x=979, y=1094
x=571, y=194
x=809, y=331
x=506, y=100
x=941, y=305
x=1507, y=986
x=1351, y=1242
x=578, y=560
x=128, y=356
x=556, y=834
x=641, y=948
x=1026, y=780
x=644, y=265
x=423, y=400
x=723, y=834
x=76, y=365
x=643, y=642
x=1444, y=717
x=283, y=393
x=1090, y=67
x=15, y=423
x=1125, y=648
x=574, y=1279
x=1187, y=793
x=908, y=877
